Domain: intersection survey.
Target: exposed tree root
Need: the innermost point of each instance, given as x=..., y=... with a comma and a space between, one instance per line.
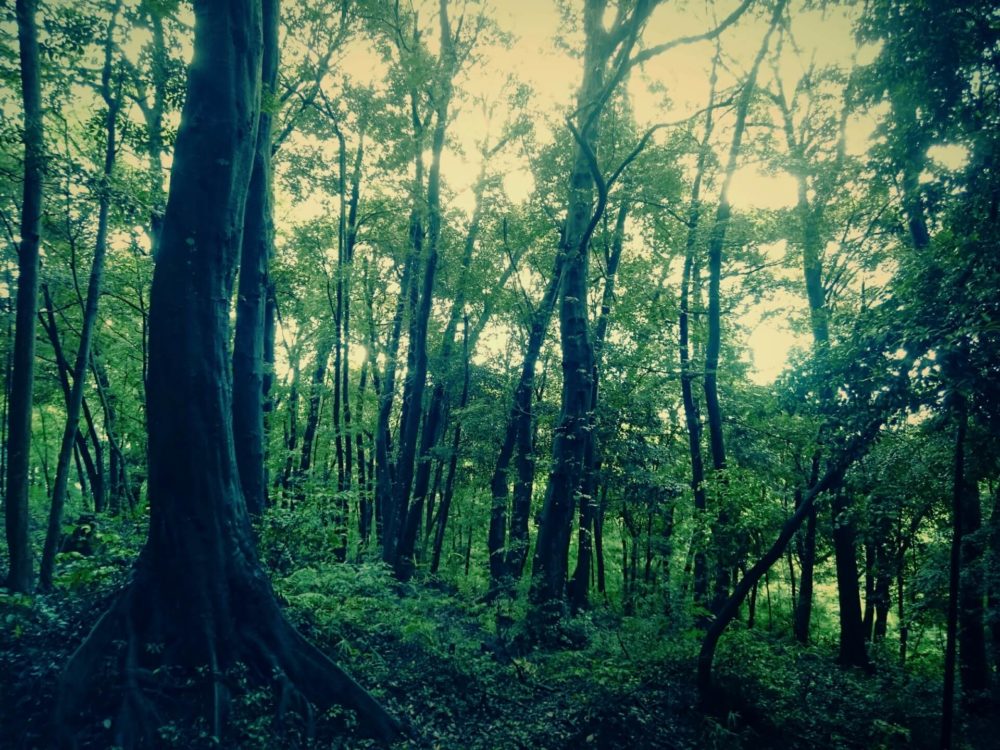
x=177, y=662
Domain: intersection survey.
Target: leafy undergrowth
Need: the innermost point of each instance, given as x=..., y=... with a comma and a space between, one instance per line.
x=461, y=674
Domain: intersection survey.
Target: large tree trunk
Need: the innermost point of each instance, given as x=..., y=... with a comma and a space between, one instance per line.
x=251, y=301
x=198, y=591
x=74, y=404
x=20, y=576
x=550, y=564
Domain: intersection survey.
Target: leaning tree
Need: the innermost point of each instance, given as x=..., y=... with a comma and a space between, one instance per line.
x=198, y=604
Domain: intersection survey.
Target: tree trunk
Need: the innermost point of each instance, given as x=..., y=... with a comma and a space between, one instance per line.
x=993, y=582
x=198, y=591
x=20, y=575
x=713, y=346
x=323, y=350
x=387, y=392
x=251, y=301
x=579, y=583
x=692, y=417
x=550, y=564
x=435, y=423
x=852, y=635
x=973, y=665
x=807, y=566
x=95, y=469
x=504, y=558
x=53, y=535
x=449, y=486
x=406, y=516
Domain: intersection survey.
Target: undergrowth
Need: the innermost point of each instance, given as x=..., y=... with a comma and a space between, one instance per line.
x=463, y=675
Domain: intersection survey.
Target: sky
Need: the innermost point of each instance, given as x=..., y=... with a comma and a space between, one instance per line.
x=669, y=88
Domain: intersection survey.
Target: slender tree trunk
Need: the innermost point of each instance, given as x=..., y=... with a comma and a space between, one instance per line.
x=435, y=423
x=550, y=564
x=852, y=635
x=407, y=516
x=95, y=469
x=387, y=391
x=578, y=585
x=292, y=428
x=257, y=248
x=954, y=578
x=313, y=414
x=599, y=541
x=868, y=618
x=350, y=240
x=993, y=583
x=365, y=514
x=54, y=532
x=807, y=565
x=449, y=486
x=713, y=345
x=519, y=421
x=973, y=665
x=20, y=575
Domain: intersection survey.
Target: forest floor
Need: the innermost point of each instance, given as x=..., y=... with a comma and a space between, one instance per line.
x=452, y=666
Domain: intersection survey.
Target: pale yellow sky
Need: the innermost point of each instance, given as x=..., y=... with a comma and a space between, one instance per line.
x=553, y=74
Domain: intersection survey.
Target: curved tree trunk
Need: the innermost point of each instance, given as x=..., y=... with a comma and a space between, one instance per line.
x=198, y=591
x=725, y=560
x=74, y=404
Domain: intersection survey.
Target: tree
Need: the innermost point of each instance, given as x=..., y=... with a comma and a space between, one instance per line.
x=74, y=402
x=252, y=302
x=20, y=575
x=197, y=594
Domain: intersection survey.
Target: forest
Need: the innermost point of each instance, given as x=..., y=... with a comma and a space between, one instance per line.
x=487, y=374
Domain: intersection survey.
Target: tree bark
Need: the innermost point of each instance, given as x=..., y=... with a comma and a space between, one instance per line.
x=807, y=566
x=20, y=575
x=550, y=564
x=579, y=583
x=251, y=301
x=449, y=487
x=198, y=590
x=408, y=515
x=852, y=635
x=692, y=417
x=519, y=420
